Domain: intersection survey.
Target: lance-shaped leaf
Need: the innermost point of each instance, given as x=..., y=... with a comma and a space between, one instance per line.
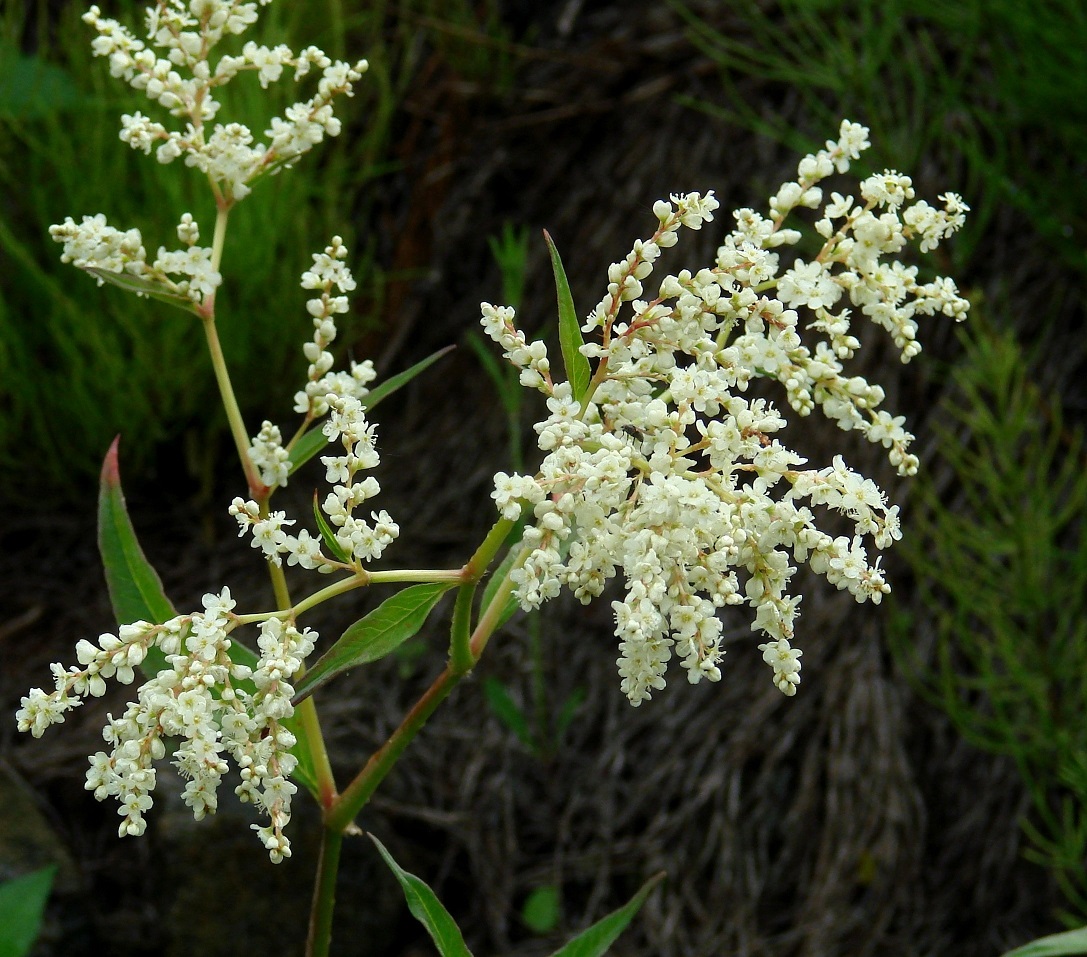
x=136, y=593
x=135, y=589
x=570, y=338
x=313, y=441
x=595, y=940
x=427, y=909
x=327, y=535
x=144, y=287
x=1055, y=945
x=401, y=379
x=306, y=448
x=374, y=636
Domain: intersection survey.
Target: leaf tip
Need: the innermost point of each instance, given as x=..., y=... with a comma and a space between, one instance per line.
x=111, y=470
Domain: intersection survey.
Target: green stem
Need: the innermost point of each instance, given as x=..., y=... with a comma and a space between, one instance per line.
x=599, y=376
x=218, y=364
x=324, y=893
x=460, y=652
x=489, y=547
x=312, y=738
x=331, y=591
x=361, y=789
x=230, y=405
x=461, y=657
x=359, y=580
x=488, y=623
x=417, y=575
x=356, y=795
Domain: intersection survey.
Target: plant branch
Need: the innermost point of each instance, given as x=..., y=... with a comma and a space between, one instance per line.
x=356, y=795
x=324, y=893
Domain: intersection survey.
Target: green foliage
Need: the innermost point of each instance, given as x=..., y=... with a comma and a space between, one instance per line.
x=1055, y=945
x=595, y=941
x=1001, y=559
x=375, y=635
x=991, y=88
x=542, y=909
x=532, y=725
x=427, y=909
x=22, y=902
x=135, y=589
x=510, y=251
x=424, y=905
x=578, y=372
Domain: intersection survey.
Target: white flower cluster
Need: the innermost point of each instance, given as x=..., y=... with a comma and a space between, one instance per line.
x=187, y=32
x=216, y=707
x=97, y=247
x=183, y=80
x=329, y=272
x=663, y=469
x=338, y=395
x=359, y=540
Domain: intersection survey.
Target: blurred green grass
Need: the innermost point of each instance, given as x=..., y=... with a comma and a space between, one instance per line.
x=988, y=94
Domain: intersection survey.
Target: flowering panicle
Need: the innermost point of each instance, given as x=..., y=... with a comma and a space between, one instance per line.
x=329, y=274
x=339, y=395
x=219, y=708
x=665, y=471
x=215, y=706
x=184, y=80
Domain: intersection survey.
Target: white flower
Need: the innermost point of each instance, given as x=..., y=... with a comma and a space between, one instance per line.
x=808, y=284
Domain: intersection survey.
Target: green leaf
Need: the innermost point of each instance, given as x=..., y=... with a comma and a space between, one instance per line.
x=567, y=712
x=1055, y=945
x=143, y=287
x=22, y=902
x=306, y=448
x=136, y=593
x=542, y=909
x=327, y=536
x=135, y=589
x=390, y=385
x=427, y=909
x=313, y=441
x=595, y=941
x=507, y=711
x=577, y=366
x=503, y=376
x=374, y=636
x=31, y=88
